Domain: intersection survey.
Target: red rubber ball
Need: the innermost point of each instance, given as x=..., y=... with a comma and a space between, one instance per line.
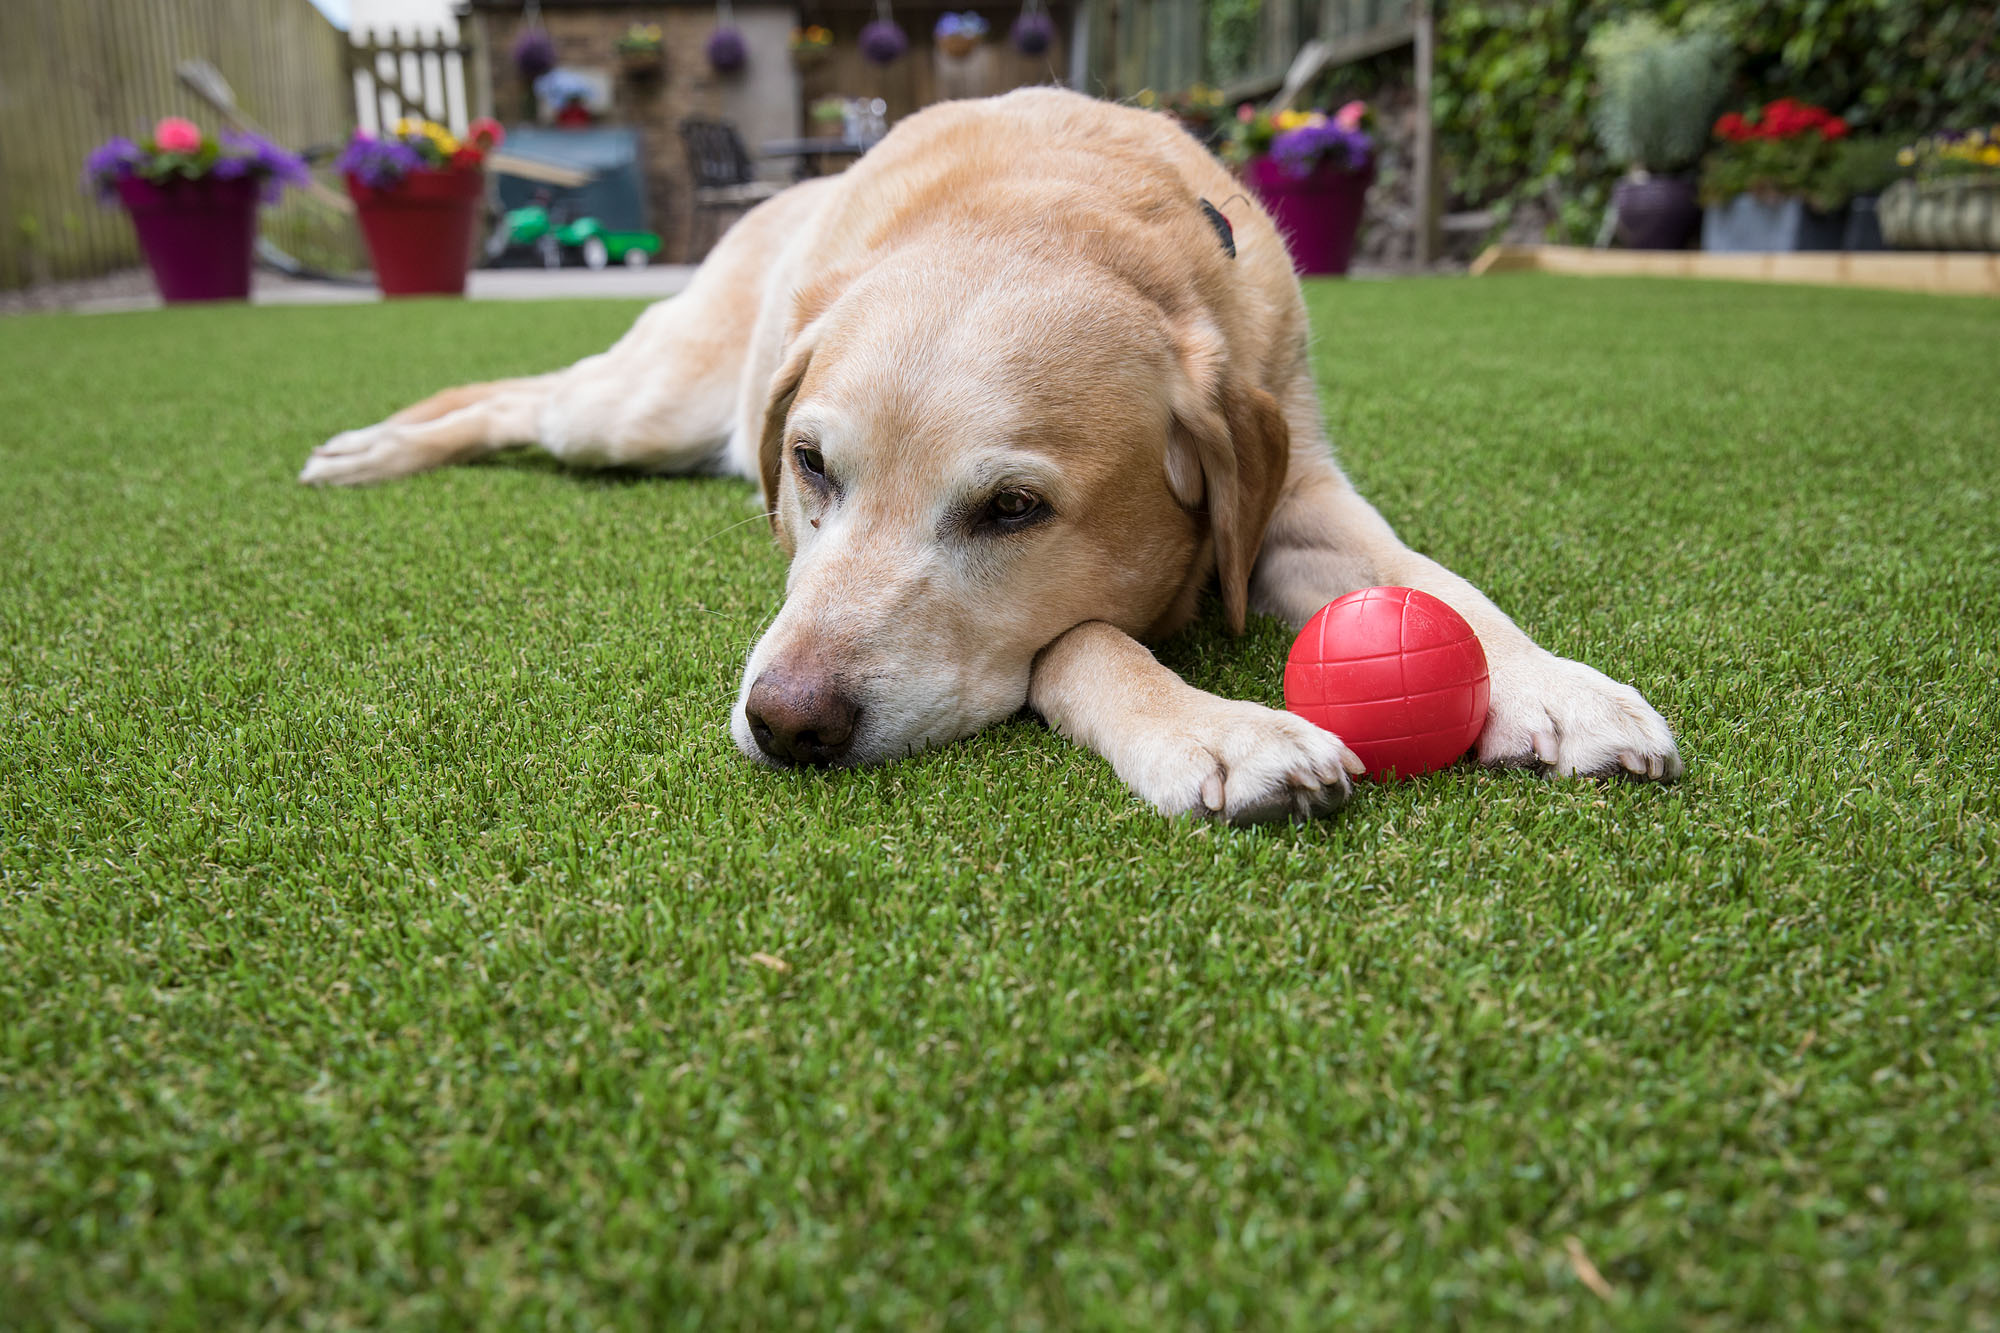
x=1396, y=674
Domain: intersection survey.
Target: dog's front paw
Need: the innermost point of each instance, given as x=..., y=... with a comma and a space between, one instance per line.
x=1241, y=761
x=1564, y=718
x=356, y=457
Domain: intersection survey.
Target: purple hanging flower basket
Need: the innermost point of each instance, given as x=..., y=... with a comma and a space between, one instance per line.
x=534, y=54
x=883, y=42
x=727, y=51
x=1033, y=33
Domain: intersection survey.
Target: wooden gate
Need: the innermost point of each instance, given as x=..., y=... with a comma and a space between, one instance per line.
x=431, y=76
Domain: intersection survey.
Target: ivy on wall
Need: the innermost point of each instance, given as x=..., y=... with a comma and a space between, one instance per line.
x=1512, y=101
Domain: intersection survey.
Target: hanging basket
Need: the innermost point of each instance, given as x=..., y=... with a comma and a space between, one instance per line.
x=727, y=51
x=883, y=43
x=641, y=62
x=1033, y=33
x=534, y=53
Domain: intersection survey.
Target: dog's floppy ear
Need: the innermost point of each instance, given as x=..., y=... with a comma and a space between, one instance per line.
x=1228, y=450
x=777, y=406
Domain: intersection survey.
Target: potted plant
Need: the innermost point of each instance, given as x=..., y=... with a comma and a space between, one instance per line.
x=640, y=51
x=193, y=202
x=1311, y=171
x=959, y=35
x=1656, y=93
x=811, y=45
x=1952, y=200
x=1758, y=182
x=417, y=192
x=1854, y=181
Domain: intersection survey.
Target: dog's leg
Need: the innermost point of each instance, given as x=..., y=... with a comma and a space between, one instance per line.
x=1180, y=748
x=663, y=399
x=1547, y=713
x=455, y=426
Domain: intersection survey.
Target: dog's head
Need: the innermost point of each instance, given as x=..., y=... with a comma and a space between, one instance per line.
x=964, y=462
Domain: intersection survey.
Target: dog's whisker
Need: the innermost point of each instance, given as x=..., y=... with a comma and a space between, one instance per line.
x=722, y=532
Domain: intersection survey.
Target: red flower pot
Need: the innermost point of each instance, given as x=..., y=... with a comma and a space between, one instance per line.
x=419, y=230
x=197, y=236
x=1317, y=214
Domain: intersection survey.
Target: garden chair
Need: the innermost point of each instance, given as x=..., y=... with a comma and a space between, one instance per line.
x=725, y=181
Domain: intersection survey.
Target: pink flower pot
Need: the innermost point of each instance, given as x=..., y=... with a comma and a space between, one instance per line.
x=1317, y=214
x=419, y=230
x=198, y=236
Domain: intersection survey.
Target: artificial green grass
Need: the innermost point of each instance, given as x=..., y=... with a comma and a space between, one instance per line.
x=390, y=936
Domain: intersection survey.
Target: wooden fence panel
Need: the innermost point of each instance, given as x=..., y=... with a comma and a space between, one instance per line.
x=1163, y=44
x=75, y=72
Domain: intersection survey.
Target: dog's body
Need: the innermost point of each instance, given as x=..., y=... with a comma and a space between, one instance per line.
x=1013, y=405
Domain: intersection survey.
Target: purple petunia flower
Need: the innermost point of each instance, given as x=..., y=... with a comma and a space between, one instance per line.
x=246, y=154
x=238, y=155
x=1301, y=150
x=107, y=165
x=380, y=164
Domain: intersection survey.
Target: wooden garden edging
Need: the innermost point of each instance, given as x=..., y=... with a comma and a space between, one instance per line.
x=1969, y=273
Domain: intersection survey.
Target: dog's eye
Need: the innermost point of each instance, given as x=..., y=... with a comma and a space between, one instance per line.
x=810, y=461
x=1014, y=508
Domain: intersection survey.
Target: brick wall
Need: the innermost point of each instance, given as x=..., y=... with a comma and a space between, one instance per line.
x=765, y=101
x=654, y=105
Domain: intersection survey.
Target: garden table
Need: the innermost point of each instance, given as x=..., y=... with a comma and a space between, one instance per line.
x=809, y=152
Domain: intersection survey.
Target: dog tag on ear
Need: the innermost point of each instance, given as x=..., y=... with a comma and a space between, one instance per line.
x=1223, y=231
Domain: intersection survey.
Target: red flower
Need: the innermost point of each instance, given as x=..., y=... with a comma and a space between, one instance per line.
x=1733, y=127
x=1834, y=129
x=485, y=134
x=467, y=158
x=1787, y=118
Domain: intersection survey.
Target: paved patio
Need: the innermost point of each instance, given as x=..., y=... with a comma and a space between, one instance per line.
x=132, y=289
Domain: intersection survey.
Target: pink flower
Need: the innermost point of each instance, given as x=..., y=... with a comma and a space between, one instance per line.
x=1349, y=116
x=175, y=135
x=1246, y=113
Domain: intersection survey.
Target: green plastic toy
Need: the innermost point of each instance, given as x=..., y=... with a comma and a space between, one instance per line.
x=534, y=228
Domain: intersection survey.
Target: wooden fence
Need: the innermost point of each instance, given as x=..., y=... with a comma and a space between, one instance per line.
x=1128, y=45
x=75, y=72
x=1125, y=46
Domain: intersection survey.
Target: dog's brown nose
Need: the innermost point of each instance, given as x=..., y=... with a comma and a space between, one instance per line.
x=800, y=716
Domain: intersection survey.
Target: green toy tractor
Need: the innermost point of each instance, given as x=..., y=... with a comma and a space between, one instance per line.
x=537, y=229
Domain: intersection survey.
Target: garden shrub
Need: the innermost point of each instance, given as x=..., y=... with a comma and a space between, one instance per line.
x=1513, y=97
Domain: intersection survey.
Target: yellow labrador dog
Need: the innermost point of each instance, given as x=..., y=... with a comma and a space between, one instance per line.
x=1014, y=404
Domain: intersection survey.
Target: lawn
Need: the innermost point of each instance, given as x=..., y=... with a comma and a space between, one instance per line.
x=390, y=936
